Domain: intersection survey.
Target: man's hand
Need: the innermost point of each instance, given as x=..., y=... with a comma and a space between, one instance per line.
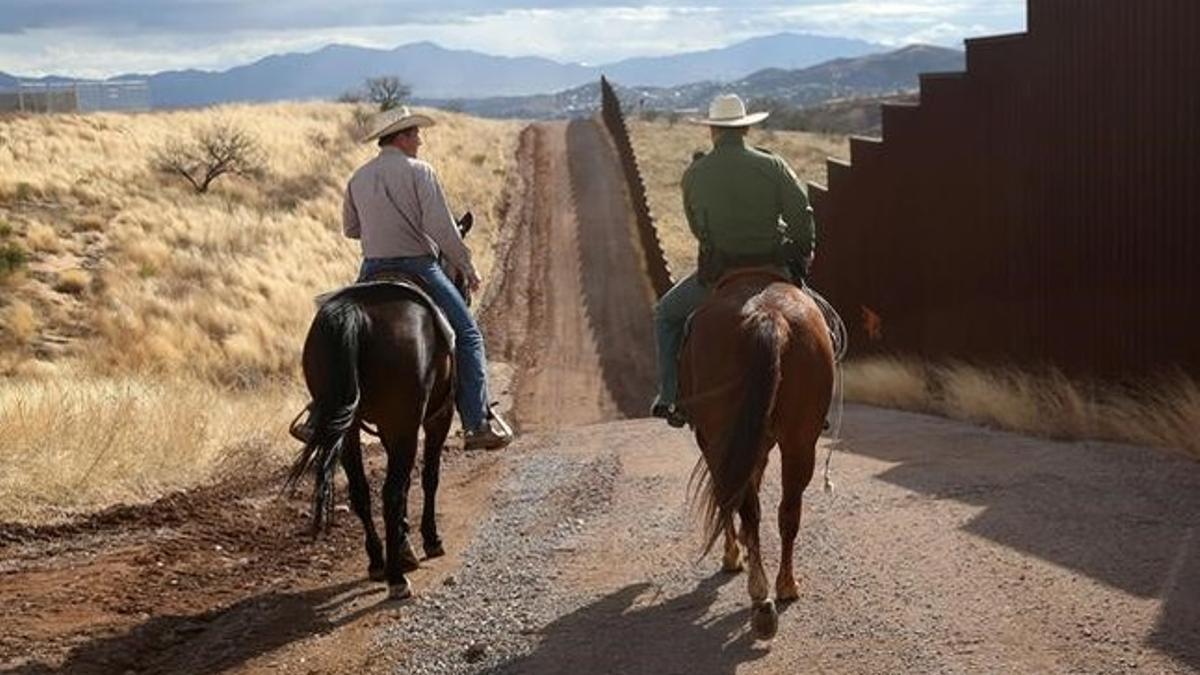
x=799, y=267
x=473, y=282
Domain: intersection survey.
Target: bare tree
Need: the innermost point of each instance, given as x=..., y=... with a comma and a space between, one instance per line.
x=387, y=92
x=211, y=153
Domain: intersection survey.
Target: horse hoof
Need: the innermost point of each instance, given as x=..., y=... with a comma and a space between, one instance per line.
x=764, y=620
x=376, y=574
x=732, y=566
x=788, y=592
x=435, y=551
x=408, y=559
x=400, y=591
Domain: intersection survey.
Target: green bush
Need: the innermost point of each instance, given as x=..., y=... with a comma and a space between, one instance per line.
x=12, y=258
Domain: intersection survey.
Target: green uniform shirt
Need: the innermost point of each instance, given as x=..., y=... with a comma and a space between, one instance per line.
x=742, y=201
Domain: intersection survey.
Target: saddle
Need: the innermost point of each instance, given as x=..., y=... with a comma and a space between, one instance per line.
x=768, y=272
x=406, y=284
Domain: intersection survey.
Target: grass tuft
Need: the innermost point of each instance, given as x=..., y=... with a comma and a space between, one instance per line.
x=1163, y=413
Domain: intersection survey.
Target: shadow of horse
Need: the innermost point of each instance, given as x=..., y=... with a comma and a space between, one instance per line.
x=220, y=639
x=617, y=635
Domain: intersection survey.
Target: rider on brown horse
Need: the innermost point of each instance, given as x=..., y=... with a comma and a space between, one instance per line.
x=395, y=205
x=747, y=209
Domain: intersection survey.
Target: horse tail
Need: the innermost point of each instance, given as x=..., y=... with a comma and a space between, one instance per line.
x=336, y=336
x=742, y=448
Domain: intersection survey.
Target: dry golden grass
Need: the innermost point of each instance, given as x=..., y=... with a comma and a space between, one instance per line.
x=19, y=322
x=192, y=308
x=887, y=383
x=42, y=238
x=76, y=445
x=73, y=281
x=218, y=285
x=664, y=151
x=1165, y=413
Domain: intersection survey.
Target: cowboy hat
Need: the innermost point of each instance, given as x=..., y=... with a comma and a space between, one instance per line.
x=728, y=110
x=393, y=120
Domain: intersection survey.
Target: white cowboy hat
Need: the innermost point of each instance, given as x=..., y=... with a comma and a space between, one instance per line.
x=396, y=119
x=728, y=110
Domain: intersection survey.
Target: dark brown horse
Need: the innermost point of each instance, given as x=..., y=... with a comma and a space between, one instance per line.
x=376, y=354
x=756, y=370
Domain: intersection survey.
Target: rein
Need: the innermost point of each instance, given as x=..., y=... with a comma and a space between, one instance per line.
x=841, y=344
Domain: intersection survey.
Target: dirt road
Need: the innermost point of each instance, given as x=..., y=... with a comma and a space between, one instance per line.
x=945, y=549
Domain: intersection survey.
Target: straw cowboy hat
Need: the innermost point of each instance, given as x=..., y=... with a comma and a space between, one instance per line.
x=396, y=119
x=728, y=110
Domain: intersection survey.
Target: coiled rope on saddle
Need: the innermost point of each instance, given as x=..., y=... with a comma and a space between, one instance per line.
x=841, y=345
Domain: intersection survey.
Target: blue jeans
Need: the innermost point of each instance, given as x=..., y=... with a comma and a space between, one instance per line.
x=471, y=394
x=670, y=316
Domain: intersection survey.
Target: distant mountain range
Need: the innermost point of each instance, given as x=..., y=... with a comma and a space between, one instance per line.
x=867, y=76
x=434, y=72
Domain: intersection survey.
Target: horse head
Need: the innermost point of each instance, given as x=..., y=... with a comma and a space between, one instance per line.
x=460, y=281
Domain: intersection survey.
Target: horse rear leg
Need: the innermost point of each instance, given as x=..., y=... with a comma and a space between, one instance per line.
x=401, y=559
x=360, y=501
x=764, y=619
x=732, y=561
x=436, y=431
x=797, y=461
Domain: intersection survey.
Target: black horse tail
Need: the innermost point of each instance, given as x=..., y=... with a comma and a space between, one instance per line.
x=741, y=449
x=336, y=337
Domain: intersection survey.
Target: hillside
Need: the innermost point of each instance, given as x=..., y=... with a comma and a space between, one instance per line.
x=784, y=50
x=861, y=116
x=173, y=319
x=868, y=76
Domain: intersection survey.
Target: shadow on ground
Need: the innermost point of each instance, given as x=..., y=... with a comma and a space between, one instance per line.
x=633, y=631
x=1125, y=516
x=621, y=313
x=218, y=640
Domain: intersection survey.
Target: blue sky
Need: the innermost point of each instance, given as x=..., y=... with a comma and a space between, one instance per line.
x=95, y=38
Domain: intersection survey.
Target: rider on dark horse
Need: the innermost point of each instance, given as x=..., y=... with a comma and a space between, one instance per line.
x=747, y=209
x=395, y=206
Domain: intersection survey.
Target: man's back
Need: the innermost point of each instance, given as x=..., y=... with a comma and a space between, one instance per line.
x=396, y=206
x=735, y=196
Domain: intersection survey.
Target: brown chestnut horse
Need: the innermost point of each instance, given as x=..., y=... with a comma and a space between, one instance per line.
x=757, y=369
x=377, y=354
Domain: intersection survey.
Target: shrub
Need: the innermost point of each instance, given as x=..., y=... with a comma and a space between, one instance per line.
x=73, y=281
x=386, y=92
x=211, y=153
x=12, y=259
x=42, y=237
x=20, y=322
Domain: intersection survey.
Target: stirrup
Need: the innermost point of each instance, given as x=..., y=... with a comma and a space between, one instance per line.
x=669, y=412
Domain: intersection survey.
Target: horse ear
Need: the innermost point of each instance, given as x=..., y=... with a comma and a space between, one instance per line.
x=466, y=223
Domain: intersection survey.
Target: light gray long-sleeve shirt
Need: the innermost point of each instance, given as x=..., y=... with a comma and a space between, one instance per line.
x=395, y=205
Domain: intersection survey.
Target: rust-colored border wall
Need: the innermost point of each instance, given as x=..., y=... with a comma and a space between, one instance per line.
x=1041, y=208
x=614, y=121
